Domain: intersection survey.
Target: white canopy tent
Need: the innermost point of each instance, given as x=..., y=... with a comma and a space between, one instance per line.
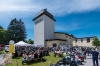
x=37, y=45
x=22, y=43
x=33, y=45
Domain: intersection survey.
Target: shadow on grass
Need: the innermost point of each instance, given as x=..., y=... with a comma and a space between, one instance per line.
x=32, y=63
x=16, y=57
x=50, y=59
x=46, y=55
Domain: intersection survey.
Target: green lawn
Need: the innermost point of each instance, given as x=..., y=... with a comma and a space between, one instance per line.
x=2, y=52
x=50, y=59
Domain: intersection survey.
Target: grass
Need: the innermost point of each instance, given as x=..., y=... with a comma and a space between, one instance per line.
x=50, y=59
x=2, y=52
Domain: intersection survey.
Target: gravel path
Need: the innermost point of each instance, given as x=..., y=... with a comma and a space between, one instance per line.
x=88, y=62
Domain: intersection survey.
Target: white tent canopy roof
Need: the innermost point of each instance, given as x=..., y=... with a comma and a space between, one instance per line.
x=22, y=43
x=37, y=45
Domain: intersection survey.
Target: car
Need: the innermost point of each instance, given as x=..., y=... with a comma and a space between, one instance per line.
x=1, y=48
x=6, y=48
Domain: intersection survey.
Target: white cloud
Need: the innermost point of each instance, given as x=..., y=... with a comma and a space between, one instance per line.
x=62, y=7
x=10, y=9
x=17, y=5
x=25, y=9
x=58, y=7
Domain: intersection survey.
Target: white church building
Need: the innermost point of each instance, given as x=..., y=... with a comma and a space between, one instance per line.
x=45, y=35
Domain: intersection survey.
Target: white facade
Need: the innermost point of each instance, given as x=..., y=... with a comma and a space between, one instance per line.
x=44, y=34
x=83, y=42
x=48, y=28
x=39, y=32
x=43, y=30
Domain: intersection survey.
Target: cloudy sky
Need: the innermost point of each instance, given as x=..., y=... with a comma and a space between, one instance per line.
x=78, y=17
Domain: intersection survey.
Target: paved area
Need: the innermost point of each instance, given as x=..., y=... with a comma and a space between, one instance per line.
x=88, y=62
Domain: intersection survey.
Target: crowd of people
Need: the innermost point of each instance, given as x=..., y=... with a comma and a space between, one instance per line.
x=32, y=54
x=76, y=55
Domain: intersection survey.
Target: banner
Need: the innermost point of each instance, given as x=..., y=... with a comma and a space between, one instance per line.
x=5, y=59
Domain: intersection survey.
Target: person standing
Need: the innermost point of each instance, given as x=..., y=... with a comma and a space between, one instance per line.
x=55, y=53
x=95, y=57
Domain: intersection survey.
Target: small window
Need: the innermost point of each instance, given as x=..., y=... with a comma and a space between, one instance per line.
x=66, y=40
x=70, y=37
x=54, y=45
x=81, y=40
x=66, y=36
x=88, y=40
x=60, y=44
x=76, y=40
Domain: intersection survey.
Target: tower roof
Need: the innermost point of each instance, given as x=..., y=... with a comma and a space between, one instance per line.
x=44, y=11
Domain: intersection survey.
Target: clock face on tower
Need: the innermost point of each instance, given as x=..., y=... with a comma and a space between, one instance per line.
x=39, y=20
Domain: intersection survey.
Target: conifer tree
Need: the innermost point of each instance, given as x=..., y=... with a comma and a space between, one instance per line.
x=16, y=30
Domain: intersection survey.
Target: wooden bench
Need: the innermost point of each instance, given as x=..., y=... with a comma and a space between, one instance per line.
x=28, y=61
x=36, y=59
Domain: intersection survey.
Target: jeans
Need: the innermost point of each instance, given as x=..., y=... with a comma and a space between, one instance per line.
x=88, y=53
x=23, y=61
x=95, y=60
x=55, y=54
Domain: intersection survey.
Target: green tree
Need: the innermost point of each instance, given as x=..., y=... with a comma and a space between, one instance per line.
x=96, y=42
x=16, y=30
x=25, y=41
x=1, y=35
x=30, y=41
x=6, y=37
x=1, y=27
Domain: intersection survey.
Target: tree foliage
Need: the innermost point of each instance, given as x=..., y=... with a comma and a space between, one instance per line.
x=16, y=30
x=30, y=41
x=6, y=37
x=1, y=27
x=3, y=36
x=96, y=42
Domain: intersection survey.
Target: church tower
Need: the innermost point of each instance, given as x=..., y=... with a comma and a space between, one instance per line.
x=43, y=27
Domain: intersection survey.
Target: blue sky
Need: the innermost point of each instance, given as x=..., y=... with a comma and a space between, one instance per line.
x=78, y=17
